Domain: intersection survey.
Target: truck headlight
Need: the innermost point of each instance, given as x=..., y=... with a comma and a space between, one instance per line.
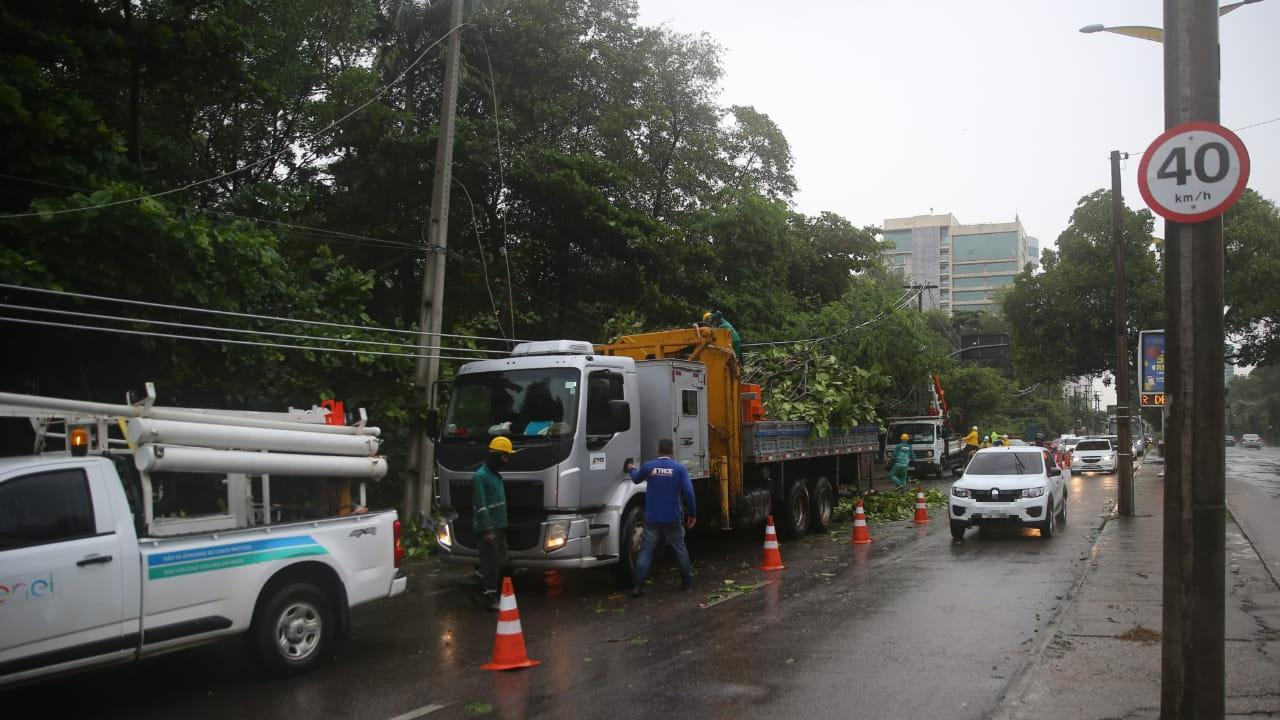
x=557, y=535
x=1033, y=492
x=928, y=453
x=443, y=536
x=961, y=492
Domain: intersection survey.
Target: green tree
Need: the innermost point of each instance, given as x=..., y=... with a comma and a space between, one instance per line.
x=1251, y=233
x=1062, y=318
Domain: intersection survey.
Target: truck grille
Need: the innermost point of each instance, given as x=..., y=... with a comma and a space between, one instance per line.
x=525, y=513
x=1004, y=496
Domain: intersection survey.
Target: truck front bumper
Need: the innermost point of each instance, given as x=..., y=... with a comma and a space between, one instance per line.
x=579, y=549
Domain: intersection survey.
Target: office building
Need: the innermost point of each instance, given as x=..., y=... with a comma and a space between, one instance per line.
x=968, y=264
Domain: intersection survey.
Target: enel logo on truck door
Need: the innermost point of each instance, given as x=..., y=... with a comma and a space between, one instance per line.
x=32, y=589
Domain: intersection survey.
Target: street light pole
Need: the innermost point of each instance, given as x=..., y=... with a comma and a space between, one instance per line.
x=1124, y=453
x=1192, y=654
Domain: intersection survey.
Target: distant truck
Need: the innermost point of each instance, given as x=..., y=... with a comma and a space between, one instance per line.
x=577, y=413
x=934, y=447
x=90, y=576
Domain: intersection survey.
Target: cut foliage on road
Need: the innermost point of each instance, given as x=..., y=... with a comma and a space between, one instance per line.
x=889, y=506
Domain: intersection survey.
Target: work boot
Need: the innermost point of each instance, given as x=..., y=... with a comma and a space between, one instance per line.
x=491, y=600
x=637, y=591
x=687, y=584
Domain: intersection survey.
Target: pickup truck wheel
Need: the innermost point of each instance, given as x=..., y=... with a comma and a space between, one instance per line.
x=957, y=530
x=823, y=505
x=629, y=544
x=294, y=629
x=793, y=522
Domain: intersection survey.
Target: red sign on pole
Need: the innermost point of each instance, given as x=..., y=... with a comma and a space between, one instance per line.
x=1193, y=172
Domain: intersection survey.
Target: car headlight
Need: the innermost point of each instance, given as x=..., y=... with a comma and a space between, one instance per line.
x=443, y=536
x=1033, y=492
x=961, y=492
x=557, y=535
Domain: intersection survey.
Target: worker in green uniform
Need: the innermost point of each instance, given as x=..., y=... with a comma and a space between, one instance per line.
x=716, y=319
x=901, y=461
x=489, y=518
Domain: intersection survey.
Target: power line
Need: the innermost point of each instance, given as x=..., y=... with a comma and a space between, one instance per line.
x=484, y=264
x=228, y=313
x=502, y=185
x=382, y=91
x=244, y=331
x=226, y=341
x=898, y=304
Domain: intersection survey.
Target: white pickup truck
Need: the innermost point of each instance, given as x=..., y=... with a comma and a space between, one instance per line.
x=89, y=576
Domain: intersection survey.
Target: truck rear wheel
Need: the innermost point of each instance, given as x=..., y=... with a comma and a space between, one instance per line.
x=823, y=505
x=793, y=520
x=294, y=629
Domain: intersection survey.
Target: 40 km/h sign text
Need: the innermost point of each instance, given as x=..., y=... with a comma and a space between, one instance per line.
x=1193, y=172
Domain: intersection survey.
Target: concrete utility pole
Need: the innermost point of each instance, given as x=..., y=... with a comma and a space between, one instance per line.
x=418, y=493
x=920, y=297
x=1192, y=672
x=1124, y=453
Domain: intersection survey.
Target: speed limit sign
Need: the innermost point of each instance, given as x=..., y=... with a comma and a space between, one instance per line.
x=1193, y=172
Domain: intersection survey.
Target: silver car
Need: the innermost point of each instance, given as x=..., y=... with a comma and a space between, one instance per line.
x=1251, y=442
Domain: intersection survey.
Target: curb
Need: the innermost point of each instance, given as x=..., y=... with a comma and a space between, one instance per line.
x=1011, y=698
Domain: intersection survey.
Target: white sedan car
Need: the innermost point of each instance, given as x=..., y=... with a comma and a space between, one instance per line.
x=1010, y=486
x=1094, y=455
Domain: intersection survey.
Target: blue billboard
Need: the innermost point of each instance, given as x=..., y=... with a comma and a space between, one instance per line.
x=1151, y=367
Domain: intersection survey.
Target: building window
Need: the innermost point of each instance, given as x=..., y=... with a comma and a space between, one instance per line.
x=987, y=246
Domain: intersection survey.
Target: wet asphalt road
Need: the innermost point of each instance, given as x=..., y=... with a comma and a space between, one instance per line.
x=1253, y=495
x=914, y=625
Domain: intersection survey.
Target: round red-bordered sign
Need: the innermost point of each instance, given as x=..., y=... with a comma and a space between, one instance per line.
x=1193, y=172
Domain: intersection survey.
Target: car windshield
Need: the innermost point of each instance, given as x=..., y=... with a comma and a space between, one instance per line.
x=1006, y=463
x=1094, y=446
x=1250, y=437
x=522, y=404
x=1070, y=442
x=919, y=432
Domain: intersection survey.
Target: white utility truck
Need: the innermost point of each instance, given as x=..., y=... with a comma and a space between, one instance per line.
x=934, y=447
x=90, y=575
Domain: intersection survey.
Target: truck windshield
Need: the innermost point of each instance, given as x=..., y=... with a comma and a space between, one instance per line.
x=521, y=404
x=919, y=432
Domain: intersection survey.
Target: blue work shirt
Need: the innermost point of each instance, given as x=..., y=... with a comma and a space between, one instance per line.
x=668, y=481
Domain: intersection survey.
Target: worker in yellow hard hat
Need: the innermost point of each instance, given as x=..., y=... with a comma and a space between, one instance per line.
x=971, y=443
x=901, y=461
x=715, y=318
x=489, y=517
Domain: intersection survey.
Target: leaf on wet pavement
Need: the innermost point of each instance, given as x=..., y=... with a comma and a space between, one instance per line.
x=479, y=709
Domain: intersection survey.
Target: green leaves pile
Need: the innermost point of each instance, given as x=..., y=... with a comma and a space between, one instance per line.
x=889, y=506
x=802, y=382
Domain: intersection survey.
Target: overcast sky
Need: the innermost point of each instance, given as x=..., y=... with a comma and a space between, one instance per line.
x=985, y=109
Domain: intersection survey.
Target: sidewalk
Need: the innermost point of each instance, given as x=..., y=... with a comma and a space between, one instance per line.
x=1102, y=656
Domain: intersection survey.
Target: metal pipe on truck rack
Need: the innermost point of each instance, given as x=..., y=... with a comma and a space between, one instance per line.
x=33, y=404
x=163, y=458
x=143, y=431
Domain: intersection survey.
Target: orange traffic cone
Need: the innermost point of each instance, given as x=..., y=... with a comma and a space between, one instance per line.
x=508, y=645
x=922, y=510
x=772, y=556
x=861, y=535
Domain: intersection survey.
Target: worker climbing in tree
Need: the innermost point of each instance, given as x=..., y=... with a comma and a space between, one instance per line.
x=716, y=319
x=901, y=461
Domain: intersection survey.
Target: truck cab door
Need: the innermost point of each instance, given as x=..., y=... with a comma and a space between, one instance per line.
x=61, y=572
x=607, y=447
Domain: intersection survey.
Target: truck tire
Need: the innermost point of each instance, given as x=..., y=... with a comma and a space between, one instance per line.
x=793, y=515
x=294, y=629
x=822, y=505
x=629, y=543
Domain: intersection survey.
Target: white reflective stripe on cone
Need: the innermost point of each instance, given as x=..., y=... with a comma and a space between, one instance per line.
x=770, y=544
x=859, y=521
x=509, y=627
x=508, y=602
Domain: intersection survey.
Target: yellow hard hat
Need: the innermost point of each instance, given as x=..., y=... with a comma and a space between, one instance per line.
x=706, y=316
x=905, y=437
x=501, y=444
x=975, y=428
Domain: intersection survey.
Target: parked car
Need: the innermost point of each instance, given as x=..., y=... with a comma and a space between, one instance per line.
x=1231, y=441
x=1094, y=455
x=1251, y=442
x=1010, y=486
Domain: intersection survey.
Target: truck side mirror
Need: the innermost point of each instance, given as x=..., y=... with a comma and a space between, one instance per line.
x=619, y=415
x=433, y=424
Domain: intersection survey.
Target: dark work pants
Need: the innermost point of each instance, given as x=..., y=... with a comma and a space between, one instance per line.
x=673, y=534
x=493, y=556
